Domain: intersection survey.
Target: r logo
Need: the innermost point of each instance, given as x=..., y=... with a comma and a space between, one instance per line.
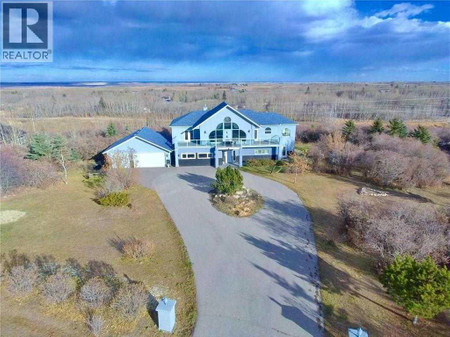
x=25, y=25
x=27, y=31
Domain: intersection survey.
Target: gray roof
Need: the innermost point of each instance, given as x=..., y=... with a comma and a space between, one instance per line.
x=148, y=135
x=262, y=118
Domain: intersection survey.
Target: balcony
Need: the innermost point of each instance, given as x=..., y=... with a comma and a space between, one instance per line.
x=231, y=143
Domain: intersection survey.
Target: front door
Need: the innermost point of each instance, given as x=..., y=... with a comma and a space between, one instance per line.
x=230, y=155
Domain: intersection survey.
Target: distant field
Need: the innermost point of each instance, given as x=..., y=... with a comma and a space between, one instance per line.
x=351, y=293
x=159, y=103
x=65, y=222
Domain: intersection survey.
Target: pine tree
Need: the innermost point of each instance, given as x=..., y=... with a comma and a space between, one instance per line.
x=422, y=288
x=377, y=126
x=422, y=134
x=228, y=180
x=348, y=129
x=111, y=130
x=40, y=147
x=397, y=128
x=102, y=103
x=224, y=96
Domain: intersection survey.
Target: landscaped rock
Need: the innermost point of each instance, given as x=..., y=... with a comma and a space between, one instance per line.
x=242, y=203
x=372, y=192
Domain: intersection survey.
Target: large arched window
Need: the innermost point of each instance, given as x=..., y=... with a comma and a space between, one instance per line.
x=286, y=132
x=268, y=131
x=237, y=134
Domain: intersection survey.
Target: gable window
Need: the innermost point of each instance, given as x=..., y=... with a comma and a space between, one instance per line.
x=222, y=129
x=227, y=123
x=256, y=134
x=286, y=132
x=268, y=131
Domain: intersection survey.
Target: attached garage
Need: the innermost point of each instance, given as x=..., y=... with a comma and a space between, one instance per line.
x=148, y=159
x=145, y=148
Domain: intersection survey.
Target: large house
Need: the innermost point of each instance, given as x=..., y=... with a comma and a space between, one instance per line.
x=212, y=137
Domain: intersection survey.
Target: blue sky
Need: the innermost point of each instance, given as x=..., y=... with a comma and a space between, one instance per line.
x=310, y=40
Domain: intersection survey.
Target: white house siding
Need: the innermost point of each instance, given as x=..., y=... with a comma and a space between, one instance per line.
x=147, y=155
x=277, y=130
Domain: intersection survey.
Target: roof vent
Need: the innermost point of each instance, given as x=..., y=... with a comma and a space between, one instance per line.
x=205, y=108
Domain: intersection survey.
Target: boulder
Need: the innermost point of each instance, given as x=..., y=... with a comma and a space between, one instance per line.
x=372, y=192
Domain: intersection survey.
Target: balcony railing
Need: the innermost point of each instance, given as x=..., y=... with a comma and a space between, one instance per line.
x=231, y=143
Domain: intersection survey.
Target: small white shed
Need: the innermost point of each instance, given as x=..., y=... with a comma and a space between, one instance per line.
x=149, y=148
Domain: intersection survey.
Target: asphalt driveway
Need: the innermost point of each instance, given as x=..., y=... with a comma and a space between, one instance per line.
x=255, y=276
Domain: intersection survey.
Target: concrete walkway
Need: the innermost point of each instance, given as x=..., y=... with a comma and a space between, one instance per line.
x=255, y=276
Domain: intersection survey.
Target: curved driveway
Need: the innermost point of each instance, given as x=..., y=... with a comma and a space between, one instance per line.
x=255, y=276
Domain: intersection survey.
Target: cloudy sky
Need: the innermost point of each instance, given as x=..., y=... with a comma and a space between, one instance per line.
x=310, y=40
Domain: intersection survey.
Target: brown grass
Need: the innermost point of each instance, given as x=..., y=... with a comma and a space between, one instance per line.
x=351, y=293
x=64, y=221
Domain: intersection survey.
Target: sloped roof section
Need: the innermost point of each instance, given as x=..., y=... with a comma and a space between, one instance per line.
x=148, y=135
x=266, y=118
x=196, y=117
x=188, y=119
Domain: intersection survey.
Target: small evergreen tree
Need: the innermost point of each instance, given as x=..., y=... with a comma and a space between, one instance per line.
x=397, y=128
x=422, y=134
x=422, y=288
x=377, y=126
x=228, y=180
x=224, y=96
x=102, y=103
x=348, y=129
x=40, y=147
x=111, y=130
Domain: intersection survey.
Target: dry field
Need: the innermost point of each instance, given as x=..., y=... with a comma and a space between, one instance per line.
x=65, y=222
x=351, y=292
x=301, y=102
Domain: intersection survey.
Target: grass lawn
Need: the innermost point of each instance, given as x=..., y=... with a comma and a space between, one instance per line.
x=351, y=293
x=65, y=222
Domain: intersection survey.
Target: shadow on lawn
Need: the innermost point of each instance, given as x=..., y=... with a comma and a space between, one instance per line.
x=198, y=182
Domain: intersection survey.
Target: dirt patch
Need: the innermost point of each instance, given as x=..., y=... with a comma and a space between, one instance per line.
x=241, y=204
x=10, y=216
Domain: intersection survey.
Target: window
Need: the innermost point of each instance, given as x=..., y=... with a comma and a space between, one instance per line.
x=203, y=155
x=268, y=131
x=262, y=151
x=256, y=134
x=222, y=128
x=187, y=136
x=286, y=132
x=188, y=156
x=227, y=123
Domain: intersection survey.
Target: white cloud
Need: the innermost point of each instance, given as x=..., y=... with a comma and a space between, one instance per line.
x=405, y=10
x=325, y=7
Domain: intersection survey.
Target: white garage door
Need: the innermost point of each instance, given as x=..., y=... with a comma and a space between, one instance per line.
x=151, y=159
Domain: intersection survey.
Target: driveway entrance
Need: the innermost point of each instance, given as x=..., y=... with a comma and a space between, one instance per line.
x=254, y=276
